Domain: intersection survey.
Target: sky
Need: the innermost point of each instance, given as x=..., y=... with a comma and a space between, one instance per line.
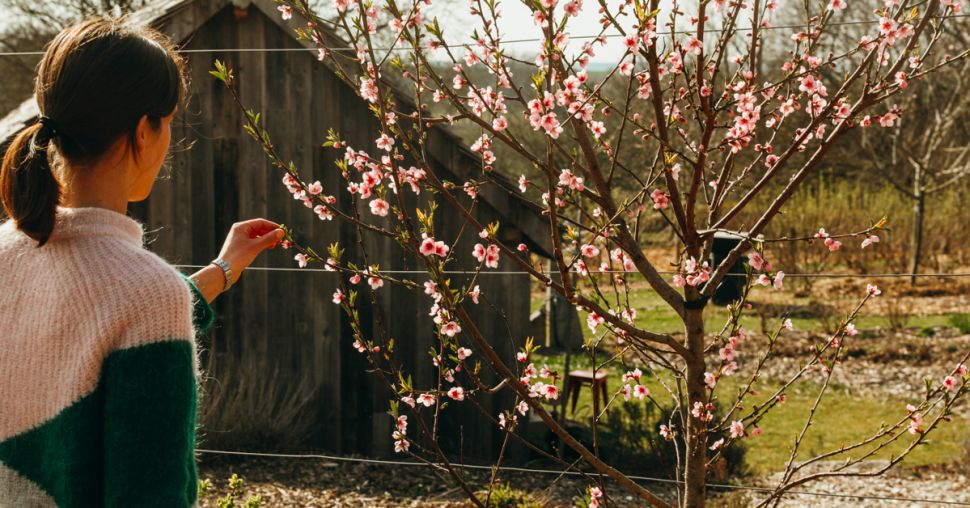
x=516, y=23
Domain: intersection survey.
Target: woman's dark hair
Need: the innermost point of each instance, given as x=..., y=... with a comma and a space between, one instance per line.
x=96, y=81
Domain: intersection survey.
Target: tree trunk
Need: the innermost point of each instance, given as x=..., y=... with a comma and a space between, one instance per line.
x=919, y=208
x=695, y=473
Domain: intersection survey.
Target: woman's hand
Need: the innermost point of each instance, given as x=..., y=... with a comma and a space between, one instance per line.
x=246, y=240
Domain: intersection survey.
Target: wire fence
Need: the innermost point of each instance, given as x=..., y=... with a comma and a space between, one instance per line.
x=606, y=272
x=646, y=479
x=510, y=41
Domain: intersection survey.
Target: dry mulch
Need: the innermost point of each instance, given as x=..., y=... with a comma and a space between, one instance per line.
x=284, y=482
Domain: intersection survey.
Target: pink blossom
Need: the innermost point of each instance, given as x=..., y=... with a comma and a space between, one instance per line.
x=809, y=84
x=756, y=261
x=385, y=142
x=463, y=353
x=787, y=324
x=581, y=268
x=593, y=320
x=286, y=12
x=915, y=421
x=523, y=183
x=374, y=282
x=550, y=392
x=338, y=296
x=573, y=7
x=522, y=356
x=368, y=89
x=301, y=259
x=427, y=246
x=756, y=431
x=833, y=244
x=710, y=380
x=408, y=400
x=479, y=252
x=665, y=432
x=737, y=429
x=450, y=328
x=779, y=279
x=873, y=290
x=379, y=207
x=589, y=251
x=949, y=383
x=633, y=375
x=457, y=393
x=695, y=46
x=492, y=256
x=475, y=293
x=660, y=200
x=869, y=240
x=426, y=399
x=641, y=392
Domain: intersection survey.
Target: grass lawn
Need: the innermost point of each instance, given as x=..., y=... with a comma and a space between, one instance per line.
x=842, y=418
x=655, y=315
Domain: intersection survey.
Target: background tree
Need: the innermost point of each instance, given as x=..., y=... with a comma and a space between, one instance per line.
x=27, y=27
x=931, y=154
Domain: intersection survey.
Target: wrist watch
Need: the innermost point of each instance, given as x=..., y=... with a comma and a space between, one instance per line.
x=226, y=271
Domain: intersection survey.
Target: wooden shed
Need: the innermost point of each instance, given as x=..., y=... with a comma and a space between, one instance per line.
x=281, y=370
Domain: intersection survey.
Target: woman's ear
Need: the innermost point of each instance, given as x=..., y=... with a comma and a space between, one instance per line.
x=143, y=135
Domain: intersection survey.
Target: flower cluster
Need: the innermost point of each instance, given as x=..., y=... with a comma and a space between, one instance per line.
x=694, y=274
x=401, y=443
x=488, y=255
x=632, y=386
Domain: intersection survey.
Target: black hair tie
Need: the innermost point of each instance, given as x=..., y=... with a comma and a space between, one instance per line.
x=49, y=127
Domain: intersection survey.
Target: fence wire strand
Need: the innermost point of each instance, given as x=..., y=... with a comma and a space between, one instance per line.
x=720, y=486
x=511, y=41
x=607, y=272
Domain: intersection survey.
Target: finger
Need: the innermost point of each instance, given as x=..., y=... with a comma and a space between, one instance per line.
x=258, y=227
x=271, y=239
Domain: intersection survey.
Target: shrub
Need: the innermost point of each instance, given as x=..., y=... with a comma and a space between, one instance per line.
x=960, y=322
x=630, y=436
x=236, y=485
x=504, y=496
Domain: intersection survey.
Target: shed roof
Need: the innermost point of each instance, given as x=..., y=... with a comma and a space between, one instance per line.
x=180, y=19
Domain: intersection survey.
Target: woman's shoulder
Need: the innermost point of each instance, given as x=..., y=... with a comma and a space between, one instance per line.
x=147, y=295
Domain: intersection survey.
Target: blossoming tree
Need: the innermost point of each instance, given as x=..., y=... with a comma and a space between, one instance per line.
x=690, y=125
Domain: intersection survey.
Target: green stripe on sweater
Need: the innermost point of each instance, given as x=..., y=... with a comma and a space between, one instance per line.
x=128, y=443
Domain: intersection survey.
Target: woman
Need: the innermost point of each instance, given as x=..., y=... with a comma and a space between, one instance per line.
x=98, y=368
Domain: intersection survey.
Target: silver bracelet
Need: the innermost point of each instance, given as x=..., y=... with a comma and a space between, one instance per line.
x=226, y=271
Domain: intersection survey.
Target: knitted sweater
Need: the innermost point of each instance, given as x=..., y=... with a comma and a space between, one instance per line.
x=98, y=368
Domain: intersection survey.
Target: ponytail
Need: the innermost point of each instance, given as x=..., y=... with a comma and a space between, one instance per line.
x=28, y=188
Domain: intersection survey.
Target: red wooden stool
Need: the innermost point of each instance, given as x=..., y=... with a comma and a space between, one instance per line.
x=576, y=380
